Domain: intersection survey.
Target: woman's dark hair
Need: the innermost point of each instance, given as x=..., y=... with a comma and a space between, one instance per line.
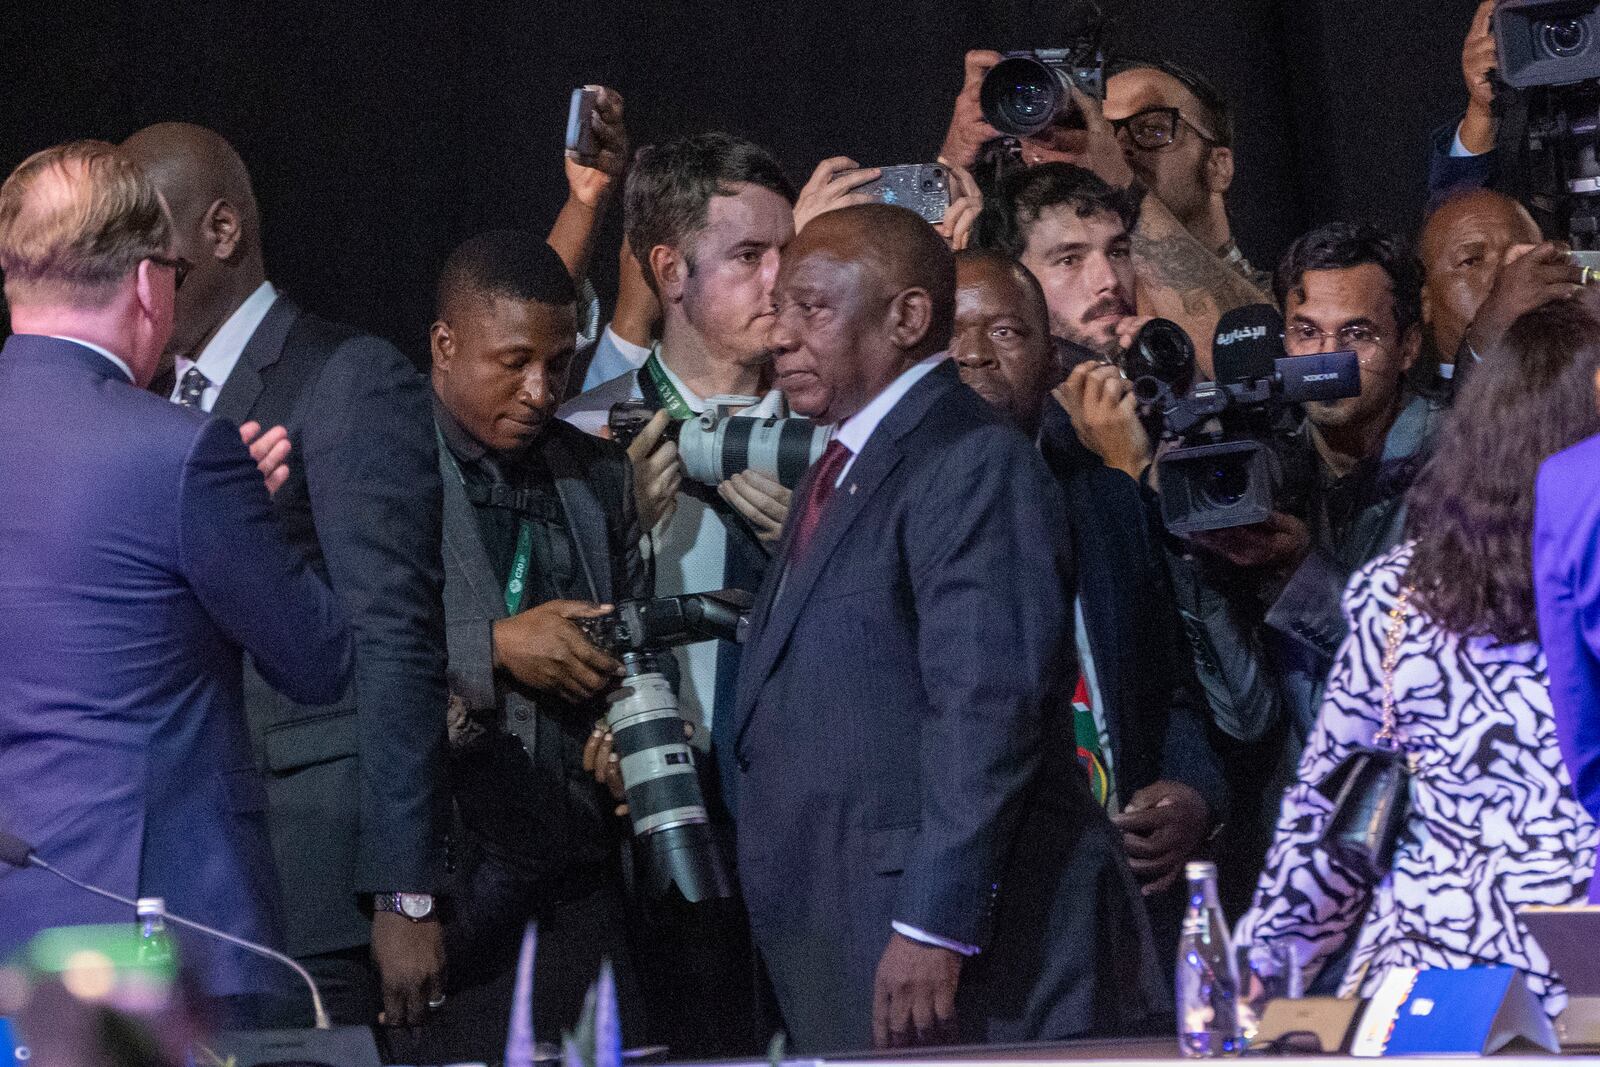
x=1471, y=509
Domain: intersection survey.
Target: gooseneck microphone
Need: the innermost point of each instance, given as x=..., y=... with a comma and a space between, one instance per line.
x=18, y=853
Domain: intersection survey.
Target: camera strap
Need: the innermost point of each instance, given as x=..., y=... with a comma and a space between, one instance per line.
x=665, y=392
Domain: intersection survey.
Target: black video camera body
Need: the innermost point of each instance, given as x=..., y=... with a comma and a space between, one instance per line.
x=1225, y=471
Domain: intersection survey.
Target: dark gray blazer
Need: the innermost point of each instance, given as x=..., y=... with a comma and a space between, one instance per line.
x=896, y=761
x=353, y=786
x=522, y=800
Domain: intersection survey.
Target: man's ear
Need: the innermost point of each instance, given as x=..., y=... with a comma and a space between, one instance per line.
x=910, y=318
x=1427, y=307
x=1219, y=170
x=442, y=344
x=1410, y=346
x=670, y=268
x=144, y=287
x=223, y=229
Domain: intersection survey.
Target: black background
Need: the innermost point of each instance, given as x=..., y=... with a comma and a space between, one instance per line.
x=378, y=135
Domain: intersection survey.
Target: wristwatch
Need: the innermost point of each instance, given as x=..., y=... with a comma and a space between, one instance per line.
x=414, y=906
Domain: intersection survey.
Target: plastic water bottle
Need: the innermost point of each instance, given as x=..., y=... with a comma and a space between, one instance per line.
x=155, y=943
x=1208, y=974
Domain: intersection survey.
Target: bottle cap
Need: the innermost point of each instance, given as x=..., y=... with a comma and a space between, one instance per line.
x=151, y=906
x=1197, y=870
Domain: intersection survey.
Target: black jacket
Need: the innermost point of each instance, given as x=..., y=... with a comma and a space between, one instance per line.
x=1154, y=713
x=353, y=786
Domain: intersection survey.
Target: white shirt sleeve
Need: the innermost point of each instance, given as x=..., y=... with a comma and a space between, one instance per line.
x=933, y=939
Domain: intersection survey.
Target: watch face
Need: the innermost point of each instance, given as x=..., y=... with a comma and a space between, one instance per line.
x=415, y=905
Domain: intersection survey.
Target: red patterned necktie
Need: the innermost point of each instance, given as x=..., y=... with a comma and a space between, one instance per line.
x=834, y=457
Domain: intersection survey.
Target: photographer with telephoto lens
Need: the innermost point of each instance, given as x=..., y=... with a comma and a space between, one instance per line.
x=705, y=217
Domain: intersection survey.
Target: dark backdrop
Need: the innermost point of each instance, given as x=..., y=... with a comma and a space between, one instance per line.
x=380, y=134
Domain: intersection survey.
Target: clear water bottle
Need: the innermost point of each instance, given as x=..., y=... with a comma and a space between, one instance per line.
x=1208, y=974
x=155, y=943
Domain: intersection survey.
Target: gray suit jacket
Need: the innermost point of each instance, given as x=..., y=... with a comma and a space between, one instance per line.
x=514, y=777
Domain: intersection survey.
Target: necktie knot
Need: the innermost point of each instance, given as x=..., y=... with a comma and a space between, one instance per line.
x=191, y=387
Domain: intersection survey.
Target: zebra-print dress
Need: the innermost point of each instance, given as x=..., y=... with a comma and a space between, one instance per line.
x=1493, y=822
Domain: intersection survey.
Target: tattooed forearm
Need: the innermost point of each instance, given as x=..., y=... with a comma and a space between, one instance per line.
x=1179, y=263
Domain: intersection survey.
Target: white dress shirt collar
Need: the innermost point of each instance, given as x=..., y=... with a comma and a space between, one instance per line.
x=221, y=354
x=855, y=431
x=121, y=365
x=770, y=406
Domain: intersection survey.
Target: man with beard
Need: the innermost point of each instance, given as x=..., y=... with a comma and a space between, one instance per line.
x=1163, y=137
x=937, y=868
x=1073, y=233
x=1137, y=714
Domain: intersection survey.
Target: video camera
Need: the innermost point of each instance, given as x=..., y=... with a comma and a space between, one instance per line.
x=665, y=804
x=1224, y=471
x=1548, y=104
x=716, y=445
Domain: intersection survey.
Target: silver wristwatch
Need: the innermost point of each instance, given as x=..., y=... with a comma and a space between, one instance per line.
x=414, y=906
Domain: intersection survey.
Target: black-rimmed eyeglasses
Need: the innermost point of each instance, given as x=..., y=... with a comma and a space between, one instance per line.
x=1156, y=127
x=180, y=268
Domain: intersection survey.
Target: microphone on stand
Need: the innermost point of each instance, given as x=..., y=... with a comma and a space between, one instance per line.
x=18, y=853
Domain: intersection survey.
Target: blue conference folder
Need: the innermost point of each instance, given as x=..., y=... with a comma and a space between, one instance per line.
x=1476, y=1011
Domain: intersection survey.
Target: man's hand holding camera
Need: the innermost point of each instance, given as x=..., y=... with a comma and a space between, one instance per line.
x=1104, y=414
x=544, y=650
x=761, y=500
x=1533, y=276
x=657, y=472
x=832, y=186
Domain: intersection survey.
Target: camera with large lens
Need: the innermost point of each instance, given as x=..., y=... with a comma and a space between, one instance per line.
x=1547, y=42
x=719, y=443
x=1030, y=90
x=1224, y=471
x=665, y=803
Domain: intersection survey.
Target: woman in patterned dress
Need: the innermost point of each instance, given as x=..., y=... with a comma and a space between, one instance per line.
x=1493, y=824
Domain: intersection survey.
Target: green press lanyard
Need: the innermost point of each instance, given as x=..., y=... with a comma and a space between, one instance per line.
x=517, y=583
x=671, y=399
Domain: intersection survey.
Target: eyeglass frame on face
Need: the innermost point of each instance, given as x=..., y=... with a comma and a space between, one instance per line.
x=1344, y=340
x=1174, y=117
x=180, y=268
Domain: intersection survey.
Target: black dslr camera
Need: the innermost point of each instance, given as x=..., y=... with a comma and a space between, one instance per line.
x=658, y=771
x=1030, y=90
x=1225, y=470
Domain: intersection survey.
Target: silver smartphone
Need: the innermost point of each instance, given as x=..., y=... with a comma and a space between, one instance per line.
x=922, y=187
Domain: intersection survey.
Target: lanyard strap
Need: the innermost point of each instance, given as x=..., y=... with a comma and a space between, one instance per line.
x=671, y=399
x=517, y=583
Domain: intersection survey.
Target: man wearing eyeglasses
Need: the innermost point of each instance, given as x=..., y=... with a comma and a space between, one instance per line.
x=353, y=785
x=1176, y=131
x=1262, y=603
x=1157, y=136
x=141, y=559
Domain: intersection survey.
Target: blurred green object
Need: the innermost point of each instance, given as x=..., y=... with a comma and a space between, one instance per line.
x=110, y=963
